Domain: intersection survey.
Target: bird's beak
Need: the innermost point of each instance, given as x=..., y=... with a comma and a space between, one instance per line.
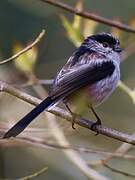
x=117, y=49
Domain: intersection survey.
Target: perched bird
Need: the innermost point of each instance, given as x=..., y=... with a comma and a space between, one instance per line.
x=90, y=75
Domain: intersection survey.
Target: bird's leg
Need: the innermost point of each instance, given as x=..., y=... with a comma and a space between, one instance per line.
x=72, y=113
x=98, y=122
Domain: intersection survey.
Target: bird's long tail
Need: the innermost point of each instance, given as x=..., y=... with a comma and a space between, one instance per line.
x=26, y=120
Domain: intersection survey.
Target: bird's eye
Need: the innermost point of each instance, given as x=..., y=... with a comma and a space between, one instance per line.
x=105, y=44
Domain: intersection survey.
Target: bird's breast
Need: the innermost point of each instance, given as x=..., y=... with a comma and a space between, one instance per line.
x=94, y=94
x=99, y=91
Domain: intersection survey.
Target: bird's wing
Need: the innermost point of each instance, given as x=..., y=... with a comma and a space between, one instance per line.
x=81, y=77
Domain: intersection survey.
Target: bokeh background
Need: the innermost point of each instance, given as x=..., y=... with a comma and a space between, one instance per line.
x=20, y=22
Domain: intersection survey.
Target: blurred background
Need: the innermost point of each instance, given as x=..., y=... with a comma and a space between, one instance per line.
x=20, y=23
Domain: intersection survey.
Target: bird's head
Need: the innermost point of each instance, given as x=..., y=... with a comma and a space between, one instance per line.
x=103, y=43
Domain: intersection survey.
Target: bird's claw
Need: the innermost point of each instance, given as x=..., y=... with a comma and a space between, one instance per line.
x=94, y=126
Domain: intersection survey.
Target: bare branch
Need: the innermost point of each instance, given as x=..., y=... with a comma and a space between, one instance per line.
x=44, y=144
x=29, y=83
x=88, y=15
x=45, y=81
x=62, y=113
x=119, y=171
x=128, y=51
x=40, y=143
x=24, y=139
x=25, y=49
x=34, y=175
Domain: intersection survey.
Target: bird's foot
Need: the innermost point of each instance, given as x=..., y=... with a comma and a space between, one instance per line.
x=74, y=117
x=94, y=126
x=97, y=123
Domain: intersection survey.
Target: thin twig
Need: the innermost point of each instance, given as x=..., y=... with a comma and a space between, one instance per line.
x=128, y=51
x=41, y=143
x=30, y=83
x=4, y=87
x=25, y=49
x=45, y=81
x=119, y=171
x=88, y=15
x=32, y=176
x=24, y=139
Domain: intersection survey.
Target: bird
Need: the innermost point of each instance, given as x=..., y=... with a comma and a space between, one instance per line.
x=88, y=78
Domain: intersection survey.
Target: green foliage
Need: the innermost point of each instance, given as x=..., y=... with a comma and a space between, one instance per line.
x=25, y=62
x=79, y=28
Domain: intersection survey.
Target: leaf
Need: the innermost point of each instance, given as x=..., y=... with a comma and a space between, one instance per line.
x=115, y=31
x=89, y=27
x=25, y=62
x=73, y=35
x=77, y=19
x=118, y=33
x=132, y=22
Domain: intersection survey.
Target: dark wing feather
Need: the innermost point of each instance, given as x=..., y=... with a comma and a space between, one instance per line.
x=81, y=77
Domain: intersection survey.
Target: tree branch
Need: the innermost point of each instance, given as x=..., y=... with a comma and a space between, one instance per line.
x=25, y=49
x=41, y=143
x=4, y=87
x=119, y=171
x=88, y=15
